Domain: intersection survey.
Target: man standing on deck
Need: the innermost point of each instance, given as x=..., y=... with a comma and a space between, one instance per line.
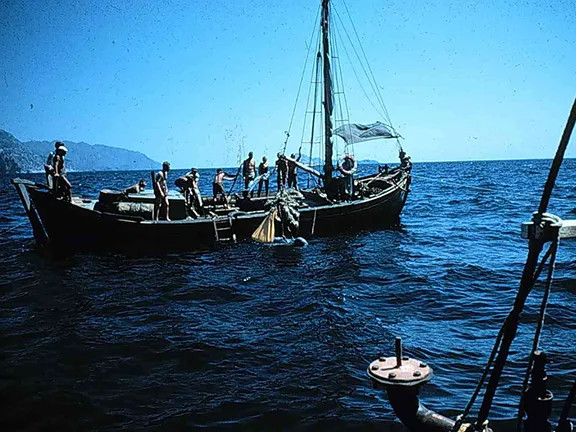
x=293, y=171
x=218, y=185
x=196, y=202
x=49, y=165
x=263, y=174
x=249, y=171
x=281, y=169
x=161, y=192
x=62, y=186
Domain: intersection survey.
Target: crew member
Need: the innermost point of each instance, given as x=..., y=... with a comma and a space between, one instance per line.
x=61, y=186
x=196, y=201
x=405, y=161
x=293, y=171
x=263, y=174
x=347, y=168
x=281, y=169
x=135, y=189
x=249, y=170
x=49, y=165
x=161, y=192
x=218, y=185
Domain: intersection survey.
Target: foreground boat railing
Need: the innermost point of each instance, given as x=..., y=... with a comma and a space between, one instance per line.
x=535, y=401
x=402, y=376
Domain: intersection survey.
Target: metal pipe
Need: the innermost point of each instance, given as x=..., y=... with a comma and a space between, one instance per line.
x=398, y=352
x=413, y=414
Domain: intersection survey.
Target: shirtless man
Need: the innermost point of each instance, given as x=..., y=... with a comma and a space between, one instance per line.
x=49, y=165
x=249, y=170
x=135, y=189
x=218, y=185
x=293, y=171
x=262, y=173
x=161, y=192
x=196, y=198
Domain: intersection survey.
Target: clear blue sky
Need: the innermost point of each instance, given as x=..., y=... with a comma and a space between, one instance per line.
x=187, y=80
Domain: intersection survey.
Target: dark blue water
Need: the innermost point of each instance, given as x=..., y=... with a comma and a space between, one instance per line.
x=267, y=338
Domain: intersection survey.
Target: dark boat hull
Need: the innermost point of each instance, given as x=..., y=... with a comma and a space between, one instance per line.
x=73, y=227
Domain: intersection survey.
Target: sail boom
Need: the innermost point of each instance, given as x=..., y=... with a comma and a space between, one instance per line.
x=304, y=167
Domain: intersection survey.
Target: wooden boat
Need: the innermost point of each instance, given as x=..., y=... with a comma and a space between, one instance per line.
x=78, y=225
x=111, y=223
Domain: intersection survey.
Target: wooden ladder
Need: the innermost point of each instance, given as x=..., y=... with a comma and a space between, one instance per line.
x=223, y=230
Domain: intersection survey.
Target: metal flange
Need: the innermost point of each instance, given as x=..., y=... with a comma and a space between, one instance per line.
x=399, y=370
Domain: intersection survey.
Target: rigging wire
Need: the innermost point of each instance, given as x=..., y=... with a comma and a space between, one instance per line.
x=338, y=72
x=377, y=91
x=526, y=283
x=312, y=80
x=378, y=110
x=384, y=112
x=563, y=423
x=316, y=21
x=495, y=349
x=12, y=228
x=536, y=341
x=315, y=106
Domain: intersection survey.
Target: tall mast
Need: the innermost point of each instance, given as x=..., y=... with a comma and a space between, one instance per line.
x=328, y=98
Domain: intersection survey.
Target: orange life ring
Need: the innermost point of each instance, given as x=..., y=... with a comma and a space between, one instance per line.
x=351, y=170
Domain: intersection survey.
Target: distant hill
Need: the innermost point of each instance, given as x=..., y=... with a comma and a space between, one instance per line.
x=26, y=157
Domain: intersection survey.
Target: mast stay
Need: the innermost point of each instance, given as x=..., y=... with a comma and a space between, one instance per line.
x=329, y=105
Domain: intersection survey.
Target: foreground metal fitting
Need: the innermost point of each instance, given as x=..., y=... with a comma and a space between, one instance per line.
x=402, y=377
x=547, y=227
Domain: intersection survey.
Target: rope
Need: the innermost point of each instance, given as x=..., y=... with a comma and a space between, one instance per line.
x=526, y=284
x=461, y=418
x=339, y=75
x=566, y=409
x=354, y=70
x=495, y=348
x=313, y=222
x=12, y=228
x=301, y=80
x=377, y=90
x=553, y=249
x=234, y=182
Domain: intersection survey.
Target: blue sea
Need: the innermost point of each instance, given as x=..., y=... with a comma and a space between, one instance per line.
x=258, y=337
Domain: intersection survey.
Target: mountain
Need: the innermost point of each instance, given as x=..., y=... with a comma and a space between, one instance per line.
x=25, y=157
